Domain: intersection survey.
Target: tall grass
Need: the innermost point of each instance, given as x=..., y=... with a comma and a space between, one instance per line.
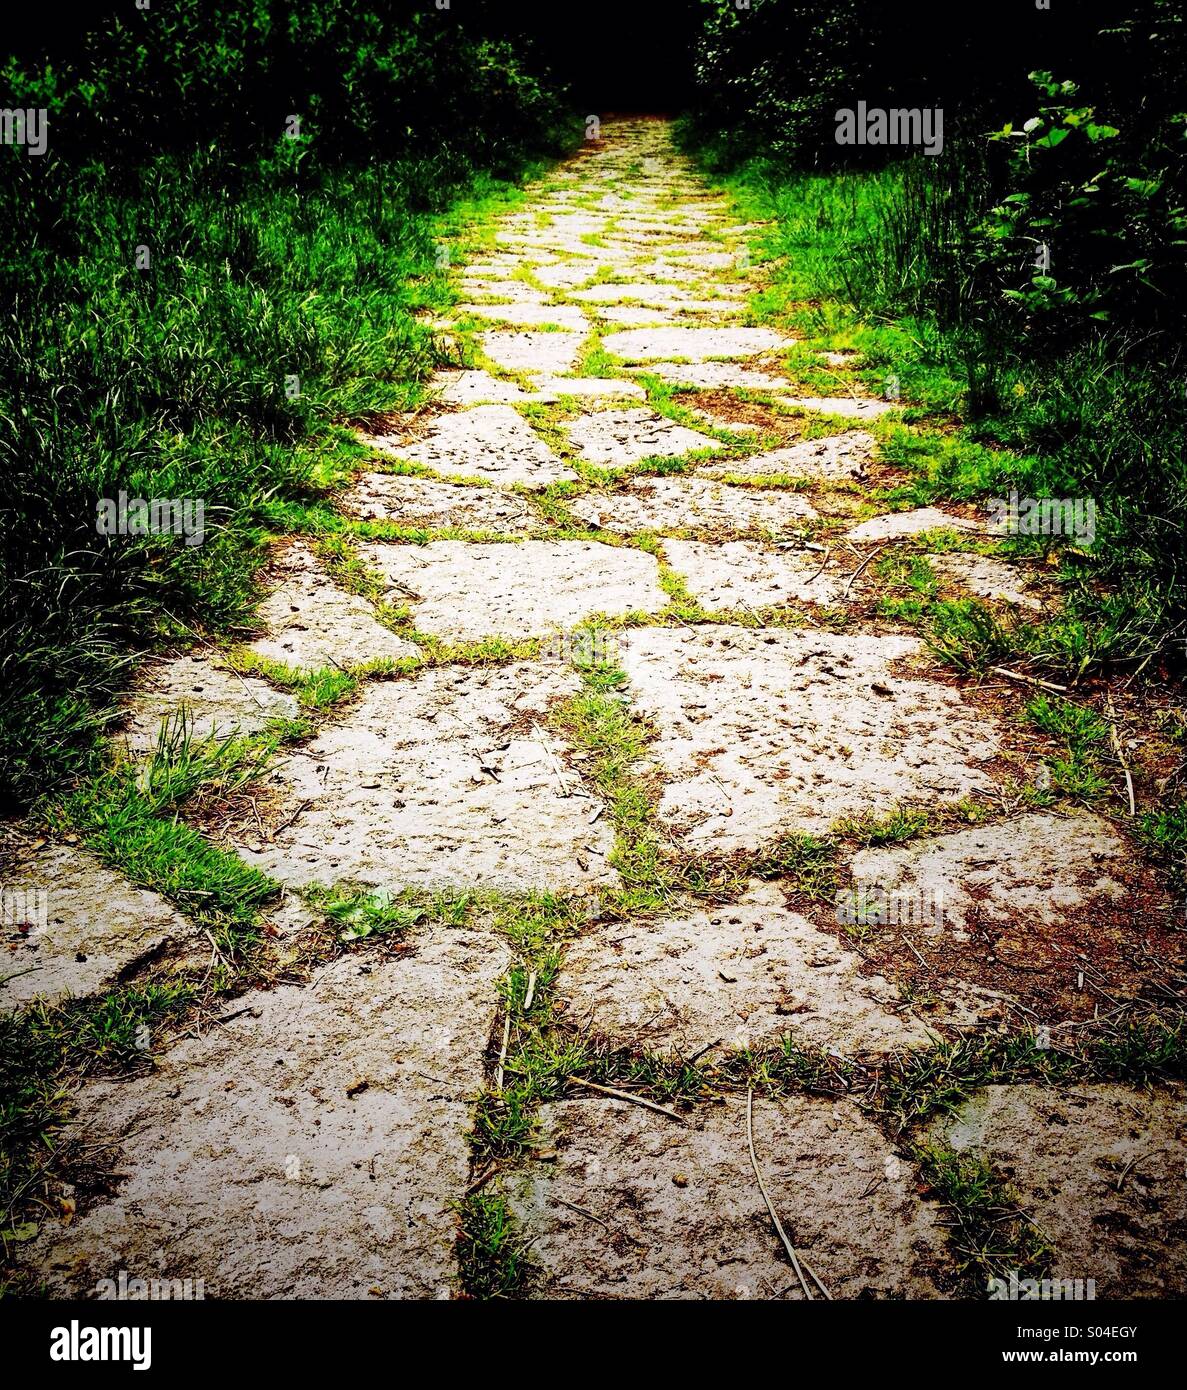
x=193, y=304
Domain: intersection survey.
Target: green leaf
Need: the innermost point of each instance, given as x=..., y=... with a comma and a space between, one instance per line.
x=1052, y=138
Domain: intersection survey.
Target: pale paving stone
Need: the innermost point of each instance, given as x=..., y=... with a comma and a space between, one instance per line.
x=692, y=504
x=670, y=297
x=621, y=437
x=424, y=502
x=710, y=260
x=215, y=701
x=464, y=590
x=740, y=975
x=310, y=623
x=310, y=1147
x=475, y=388
x=633, y=316
x=699, y=344
x=552, y=388
x=857, y=1221
x=988, y=577
x=69, y=925
x=563, y=316
x=514, y=290
x=565, y=275
x=656, y=296
x=492, y=442
x=762, y=732
x=896, y=524
x=1099, y=1169
x=446, y=779
x=741, y=573
x=715, y=374
x=532, y=352
x=851, y=407
x=1037, y=867
x=840, y=456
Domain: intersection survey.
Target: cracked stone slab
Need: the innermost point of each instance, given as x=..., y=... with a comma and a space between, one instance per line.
x=840, y=456
x=568, y=317
x=424, y=502
x=70, y=926
x=710, y=260
x=710, y=375
x=492, y=442
x=692, y=504
x=988, y=577
x=514, y=290
x=475, y=388
x=896, y=524
x=449, y=778
x=552, y=388
x=311, y=624
x=654, y=296
x=1039, y=867
x=697, y=344
x=460, y=590
x=216, y=702
x=678, y=1214
x=770, y=731
x=632, y=316
x=310, y=1147
x=740, y=573
x=566, y=275
x=620, y=437
x=741, y=975
x=1099, y=1169
x=850, y=407
x=532, y=352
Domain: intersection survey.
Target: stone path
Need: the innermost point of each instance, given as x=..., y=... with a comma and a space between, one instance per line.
x=711, y=542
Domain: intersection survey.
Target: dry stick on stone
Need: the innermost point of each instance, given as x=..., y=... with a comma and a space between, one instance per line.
x=1133, y=1163
x=503, y=1050
x=582, y=1211
x=212, y=648
x=1028, y=680
x=787, y=1245
x=862, y=566
x=820, y=571
x=626, y=1095
x=1115, y=740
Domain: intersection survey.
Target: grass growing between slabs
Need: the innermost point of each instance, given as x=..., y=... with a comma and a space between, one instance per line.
x=538, y=1058
x=987, y=415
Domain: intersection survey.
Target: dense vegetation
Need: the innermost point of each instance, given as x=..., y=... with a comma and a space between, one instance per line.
x=196, y=286
x=1031, y=278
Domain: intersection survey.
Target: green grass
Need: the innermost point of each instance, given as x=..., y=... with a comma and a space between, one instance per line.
x=128, y=816
x=280, y=303
x=879, y=262
x=493, y=1258
x=1164, y=833
x=989, y=1234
